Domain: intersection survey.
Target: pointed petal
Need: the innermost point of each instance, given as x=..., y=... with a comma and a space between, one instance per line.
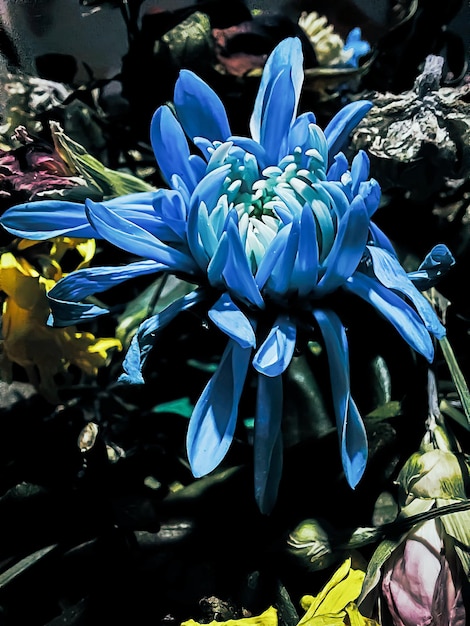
x=392, y=275
x=400, y=314
x=199, y=109
x=171, y=148
x=339, y=128
x=45, y=219
x=281, y=81
x=348, y=248
x=64, y=298
x=214, y=417
x=268, y=449
x=136, y=240
x=275, y=353
x=305, y=273
x=351, y=431
x=147, y=333
x=233, y=322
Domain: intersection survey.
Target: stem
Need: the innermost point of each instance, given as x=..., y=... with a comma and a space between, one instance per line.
x=457, y=377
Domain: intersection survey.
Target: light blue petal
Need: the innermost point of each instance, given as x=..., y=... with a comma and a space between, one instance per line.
x=171, y=148
x=45, y=219
x=436, y=264
x=351, y=431
x=199, y=109
x=392, y=275
x=339, y=128
x=348, y=248
x=147, y=334
x=136, y=240
x=275, y=353
x=212, y=424
x=66, y=295
x=281, y=81
x=394, y=308
x=227, y=316
x=267, y=446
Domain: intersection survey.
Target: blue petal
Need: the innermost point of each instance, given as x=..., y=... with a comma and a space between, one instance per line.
x=351, y=431
x=339, y=128
x=339, y=166
x=136, y=240
x=348, y=248
x=235, y=267
x=45, y=219
x=275, y=353
x=299, y=135
x=171, y=148
x=279, y=282
x=380, y=239
x=281, y=81
x=253, y=147
x=212, y=424
x=147, y=334
x=360, y=168
x=392, y=275
x=305, y=273
x=228, y=317
x=436, y=264
x=199, y=109
x=170, y=210
x=394, y=308
x=64, y=298
x=272, y=255
x=268, y=449
x=371, y=193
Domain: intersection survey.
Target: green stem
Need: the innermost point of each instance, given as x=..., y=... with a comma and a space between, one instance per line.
x=457, y=377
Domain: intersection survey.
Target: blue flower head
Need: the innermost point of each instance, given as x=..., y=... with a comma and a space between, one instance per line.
x=267, y=226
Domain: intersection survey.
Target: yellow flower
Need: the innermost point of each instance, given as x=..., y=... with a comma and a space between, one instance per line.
x=27, y=272
x=335, y=604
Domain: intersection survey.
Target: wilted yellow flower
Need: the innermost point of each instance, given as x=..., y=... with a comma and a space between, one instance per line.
x=27, y=271
x=336, y=602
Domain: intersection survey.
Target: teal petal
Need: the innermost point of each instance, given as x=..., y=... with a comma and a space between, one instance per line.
x=392, y=275
x=267, y=445
x=275, y=353
x=339, y=128
x=394, y=308
x=199, y=109
x=212, y=424
x=66, y=295
x=232, y=321
x=147, y=334
x=136, y=240
x=351, y=431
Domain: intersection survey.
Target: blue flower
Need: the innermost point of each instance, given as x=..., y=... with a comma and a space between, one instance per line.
x=267, y=226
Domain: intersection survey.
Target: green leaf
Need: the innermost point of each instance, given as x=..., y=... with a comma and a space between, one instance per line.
x=457, y=377
x=182, y=407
